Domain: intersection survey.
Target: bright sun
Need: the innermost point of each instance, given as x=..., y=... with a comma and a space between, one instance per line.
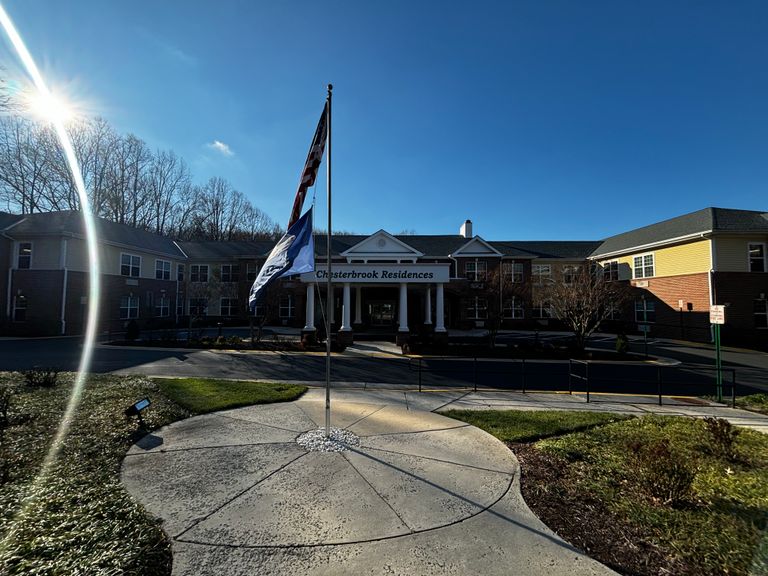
x=50, y=108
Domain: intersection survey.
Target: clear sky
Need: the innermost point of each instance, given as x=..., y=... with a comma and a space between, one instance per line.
x=541, y=119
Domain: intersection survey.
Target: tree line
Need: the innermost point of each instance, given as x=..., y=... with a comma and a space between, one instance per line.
x=126, y=181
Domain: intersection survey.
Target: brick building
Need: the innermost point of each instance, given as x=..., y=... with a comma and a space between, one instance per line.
x=385, y=283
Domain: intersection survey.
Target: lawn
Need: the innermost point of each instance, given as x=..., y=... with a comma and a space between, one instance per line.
x=650, y=495
x=78, y=519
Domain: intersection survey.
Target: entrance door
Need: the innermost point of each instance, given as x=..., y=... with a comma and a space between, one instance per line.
x=382, y=313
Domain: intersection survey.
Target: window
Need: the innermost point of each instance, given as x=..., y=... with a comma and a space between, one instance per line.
x=162, y=270
x=645, y=311
x=180, y=304
x=475, y=271
x=198, y=306
x=259, y=311
x=129, y=307
x=19, y=308
x=162, y=306
x=513, y=308
x=477, y=308
x=542, y=310
x=513, y=271
x=286, y=307
x=761, y=313
x=130, y=265
x=229, y=306
x=611, y=271
x=198, y=273
x=541, y=273
x=230, y=272
x=643, y=266
x=24, y=257
x=756, y=257
x=252, y=270
x=180, y=272
x=570, y=273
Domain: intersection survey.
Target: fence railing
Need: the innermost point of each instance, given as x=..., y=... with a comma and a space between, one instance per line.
x=593, y=379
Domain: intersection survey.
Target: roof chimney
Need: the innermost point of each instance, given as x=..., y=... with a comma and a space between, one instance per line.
x=466, y=229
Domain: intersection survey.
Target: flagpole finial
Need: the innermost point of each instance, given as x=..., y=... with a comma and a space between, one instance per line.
x=330, y=87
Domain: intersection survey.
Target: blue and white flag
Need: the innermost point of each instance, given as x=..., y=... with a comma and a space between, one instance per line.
x=294, y=254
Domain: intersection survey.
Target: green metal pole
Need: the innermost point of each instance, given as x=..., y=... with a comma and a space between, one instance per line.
x=718, y=364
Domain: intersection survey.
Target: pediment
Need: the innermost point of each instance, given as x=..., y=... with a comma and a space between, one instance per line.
x=477, y=247
x=383, y=245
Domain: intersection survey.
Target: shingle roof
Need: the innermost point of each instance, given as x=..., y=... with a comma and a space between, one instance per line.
x=215, y=250
x=706, y=220
x=569, y=249
x=71, y=222
x=7, y=219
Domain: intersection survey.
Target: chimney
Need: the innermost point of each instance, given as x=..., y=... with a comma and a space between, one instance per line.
x=466, y=229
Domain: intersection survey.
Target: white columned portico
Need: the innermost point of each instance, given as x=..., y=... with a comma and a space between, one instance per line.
x=346, y=325
x=403, y=307
x=310, y=322
x=428, y=307
x=358, y=305
x=440, y=320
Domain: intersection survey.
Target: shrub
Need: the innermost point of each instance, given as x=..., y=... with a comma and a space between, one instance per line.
x=722, y=435
x=7, y=392
x=39, y=377
x=662, y=473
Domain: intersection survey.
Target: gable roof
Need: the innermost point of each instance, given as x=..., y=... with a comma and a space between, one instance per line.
x=382, y=243
x=223, y=250
x=70, y=222
x=705, y=221
x=7, y=219
x=476, y=247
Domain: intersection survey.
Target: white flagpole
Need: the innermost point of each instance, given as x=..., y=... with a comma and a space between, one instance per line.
x=329, y=286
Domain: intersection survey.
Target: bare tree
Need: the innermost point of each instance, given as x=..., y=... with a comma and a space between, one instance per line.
x=581, y=298
x=501, y=288
x=167, y=179
x=25, y=165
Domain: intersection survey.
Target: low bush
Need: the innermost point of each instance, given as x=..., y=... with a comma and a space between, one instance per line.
x=723, y=435
x=662, y=473
x=40, y=377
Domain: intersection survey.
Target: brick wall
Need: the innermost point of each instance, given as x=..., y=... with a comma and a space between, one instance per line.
x=739, y=290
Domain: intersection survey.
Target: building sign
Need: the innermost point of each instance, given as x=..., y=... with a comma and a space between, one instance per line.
x=381, y=273
x=717, y=314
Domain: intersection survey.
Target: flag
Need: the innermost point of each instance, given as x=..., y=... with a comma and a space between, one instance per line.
x=294, y=254
x=309, y=173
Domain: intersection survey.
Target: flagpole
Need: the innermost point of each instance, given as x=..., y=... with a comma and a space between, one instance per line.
x=329, y=287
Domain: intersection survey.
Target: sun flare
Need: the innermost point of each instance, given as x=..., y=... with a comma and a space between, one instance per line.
x=49, y=107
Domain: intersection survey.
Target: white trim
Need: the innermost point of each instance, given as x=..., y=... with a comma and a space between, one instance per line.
x=409, y=253
x=120, y=265
x=170, y=268
x=460, y=251
x=652, y=245
x=643, y=255
x=17, y=250
x=749, y=258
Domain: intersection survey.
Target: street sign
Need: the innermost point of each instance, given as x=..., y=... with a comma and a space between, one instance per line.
x=645, y=328
x=717, y=314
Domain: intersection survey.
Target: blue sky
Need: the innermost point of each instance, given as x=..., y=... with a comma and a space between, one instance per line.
x=537, y=120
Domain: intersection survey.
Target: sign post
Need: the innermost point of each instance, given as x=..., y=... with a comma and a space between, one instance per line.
x=645, y=328
x=716, y=318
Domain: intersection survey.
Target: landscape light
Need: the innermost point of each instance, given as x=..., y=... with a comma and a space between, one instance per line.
x=137, y=408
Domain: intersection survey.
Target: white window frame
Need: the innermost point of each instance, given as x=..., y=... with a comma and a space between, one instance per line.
x=513, y=308
x=180, y=272
x=479, y=270
x=197, y=305
x=251, y=272
x=19, y=256
x=199, y=267
x=163, y=306
x=161, y=273
x=287, y=308
x=536, y=273
x=611, y=270
x=233, y=275
x=233, y=305
x=644, y=307
x=542, y=310
x=764, y=314
x=513, y=272
x=477, y=308
x=750, y=259
x=130, y=304
x=131, y=265
x=570, y=272
x=643, y=266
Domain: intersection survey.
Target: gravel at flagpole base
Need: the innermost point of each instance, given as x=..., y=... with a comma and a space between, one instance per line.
x=337, y=441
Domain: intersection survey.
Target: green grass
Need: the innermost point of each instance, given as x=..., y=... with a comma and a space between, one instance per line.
x=201, y=395
x=754, y=402
x=526, y=426
x=78, y=520
x=719, y=527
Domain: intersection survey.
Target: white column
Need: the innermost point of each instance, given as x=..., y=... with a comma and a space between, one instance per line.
x=345, y=312
x=310, y=317
x=403, y=307
x=358, y=305
x=440, y=325
x=428, y=306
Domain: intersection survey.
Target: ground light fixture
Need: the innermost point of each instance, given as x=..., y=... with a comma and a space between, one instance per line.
x=136, y=410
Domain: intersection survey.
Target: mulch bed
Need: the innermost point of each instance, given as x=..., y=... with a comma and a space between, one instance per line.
x=584, y=520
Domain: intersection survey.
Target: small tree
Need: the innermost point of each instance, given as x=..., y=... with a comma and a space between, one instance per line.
x=268, y=303
x=500, y=288
x=582, y=299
